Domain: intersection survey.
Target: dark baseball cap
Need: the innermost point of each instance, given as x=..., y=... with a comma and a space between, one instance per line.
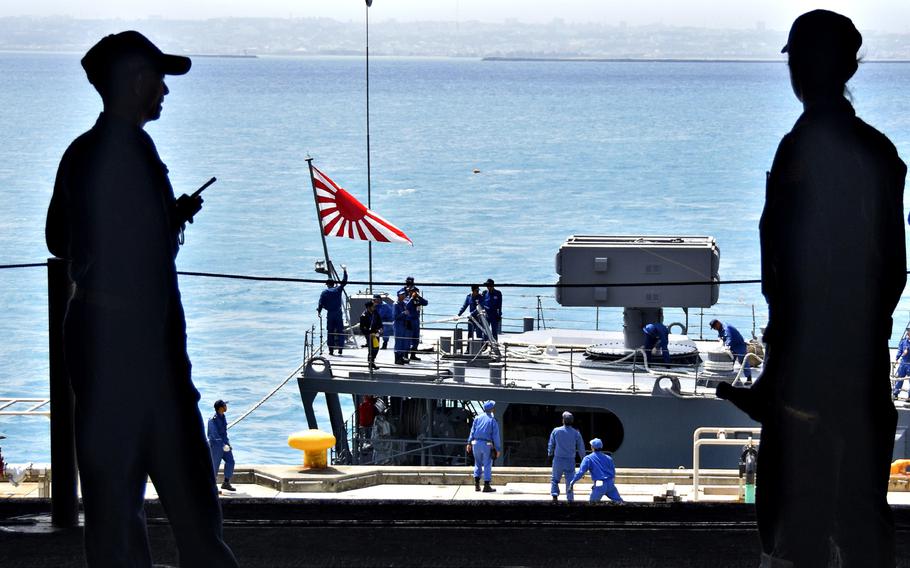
x=823, y=31
x=99, y=60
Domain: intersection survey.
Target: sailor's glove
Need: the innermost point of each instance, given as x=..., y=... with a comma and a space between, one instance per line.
x=227, y=447
x=187, y=207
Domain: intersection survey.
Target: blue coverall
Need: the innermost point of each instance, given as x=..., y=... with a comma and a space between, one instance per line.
x=473, y=302
x=218, y=437
x=414, y=304
x=386, y=313
x=657, y=334
x=565, y=442
x=331, y=301
x=402, y=334
x=492, y=306
x=603, y=472
x=734, y=340
x=903, y=355
x=484, y=437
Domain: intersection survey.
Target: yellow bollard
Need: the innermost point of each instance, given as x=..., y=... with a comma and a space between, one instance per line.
x=315, y=445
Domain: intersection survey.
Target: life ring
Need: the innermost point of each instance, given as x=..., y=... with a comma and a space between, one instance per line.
x=682, y=328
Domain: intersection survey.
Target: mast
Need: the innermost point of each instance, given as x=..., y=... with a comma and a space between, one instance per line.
x=330, y=270
x=369, y=192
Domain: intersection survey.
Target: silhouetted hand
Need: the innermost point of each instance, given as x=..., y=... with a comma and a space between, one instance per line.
x=187, y=207
x=549, y=460
x=746, y=399
x=468, y=448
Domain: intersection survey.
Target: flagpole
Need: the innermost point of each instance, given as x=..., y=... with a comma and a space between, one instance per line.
x=369, y=192
x=330, y=270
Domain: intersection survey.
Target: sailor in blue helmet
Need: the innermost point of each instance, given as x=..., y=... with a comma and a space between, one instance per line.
x=401, y=318
x=386, y=313
x=565, y=443
x=220, y=445
x=483, y=442
x=603, y=473
x=903, y=368
x=733, y=339
x=657, y=335
x=331, y=300
x=491, y=300
x=472, y=304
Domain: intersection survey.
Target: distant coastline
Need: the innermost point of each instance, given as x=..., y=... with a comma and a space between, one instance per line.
x=225, y=55
x=657, y=60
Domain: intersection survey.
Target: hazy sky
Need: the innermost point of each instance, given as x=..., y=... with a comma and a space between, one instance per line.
x=881, y=15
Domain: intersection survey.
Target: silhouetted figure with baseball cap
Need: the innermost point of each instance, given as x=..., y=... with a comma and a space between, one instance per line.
x=114, y=216
x=833, y=257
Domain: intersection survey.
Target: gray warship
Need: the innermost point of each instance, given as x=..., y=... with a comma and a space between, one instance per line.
x=646, y=411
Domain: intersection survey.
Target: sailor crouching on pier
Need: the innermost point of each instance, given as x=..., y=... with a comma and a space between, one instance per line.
x=603, y=473
x=483, y=442
x=565, y=443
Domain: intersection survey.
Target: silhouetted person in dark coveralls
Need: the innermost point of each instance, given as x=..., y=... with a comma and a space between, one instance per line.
x=114, y=216
x=833, y=257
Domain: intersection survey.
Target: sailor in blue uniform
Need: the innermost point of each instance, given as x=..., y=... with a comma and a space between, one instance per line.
x=472, y=301
x=565, y=443
x=386, y=313
x=603, y=473
x=483, y=442
x=656, y=334
x=415, y=301
x=733, y=339
x=220, y=445
x=402, y=333
x=903, y=369
x=331, y=301
x=492, y=307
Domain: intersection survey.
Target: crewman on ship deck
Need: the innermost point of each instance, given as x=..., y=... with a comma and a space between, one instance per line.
x=414, y=301
x=491, y=300
x=565, y=443
x=472, y=303
x=331, y=301
x=483, y=442
x=387, y=314
x=402, y=333
x=603, y=473
x=733, y=339
x=657, y=335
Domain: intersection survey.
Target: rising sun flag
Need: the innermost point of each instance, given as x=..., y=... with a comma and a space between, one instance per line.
x=343, y=216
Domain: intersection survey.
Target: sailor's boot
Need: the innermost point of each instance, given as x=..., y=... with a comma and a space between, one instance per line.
x=476, y=484
x=487, y=488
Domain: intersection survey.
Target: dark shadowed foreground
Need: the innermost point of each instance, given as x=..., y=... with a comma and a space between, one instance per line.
x=271, y=533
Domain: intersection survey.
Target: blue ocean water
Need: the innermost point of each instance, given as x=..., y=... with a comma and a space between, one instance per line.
x=562, y=149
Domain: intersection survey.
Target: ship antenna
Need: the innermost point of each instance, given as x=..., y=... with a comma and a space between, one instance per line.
x=369, y=192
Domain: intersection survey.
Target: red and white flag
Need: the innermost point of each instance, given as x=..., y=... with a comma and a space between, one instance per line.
x=343, y=216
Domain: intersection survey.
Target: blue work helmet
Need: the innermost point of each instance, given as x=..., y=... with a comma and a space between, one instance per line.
x=489, y=405
x=597, y=444
x=567, y=417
